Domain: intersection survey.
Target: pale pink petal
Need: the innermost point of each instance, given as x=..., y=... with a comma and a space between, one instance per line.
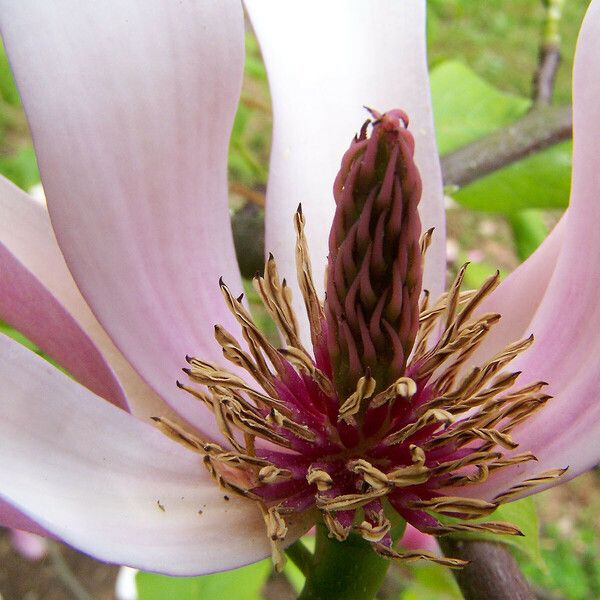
x=110, y=485
x=12, y=518
x=566, y=353
x=26, y=305
x=413, y=539
x=26, y=232
x=130, y=103
x=517, y=298
x=325, y=61
x=31, y=308
x=29, y=545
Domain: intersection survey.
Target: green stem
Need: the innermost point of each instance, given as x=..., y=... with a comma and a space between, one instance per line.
x=301, y=556
x=349, y=570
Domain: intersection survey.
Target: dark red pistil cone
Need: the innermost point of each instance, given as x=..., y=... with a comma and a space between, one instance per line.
x=375, y=267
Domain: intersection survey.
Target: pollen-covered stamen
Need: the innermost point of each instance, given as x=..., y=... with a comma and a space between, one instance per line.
x=408, y=557
x=495, y=527
x=538, y=481
x=376, y=526
x=276, y=531
x=404, y=388
x=364, y=389
x=314, y=308
x=433, y=416
x=340, y=429
x=467, y=508
x=322, y=479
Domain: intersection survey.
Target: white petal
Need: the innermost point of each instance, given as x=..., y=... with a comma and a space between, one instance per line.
x=97, y=478
x=518, y=297
x=326, y=60
x=130, y=103
x=26, y=232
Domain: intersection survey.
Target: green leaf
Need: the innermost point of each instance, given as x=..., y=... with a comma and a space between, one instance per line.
x=466, y=108
x=242, y=584
x=523, y=515
x=292, y=572
x=529, y=231
x=8, y=89
x=478, y=272
x=21, y=168
x=542, y=180
x=430, y=582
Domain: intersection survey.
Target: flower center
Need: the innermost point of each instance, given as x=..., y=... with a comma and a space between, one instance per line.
x=381, y=417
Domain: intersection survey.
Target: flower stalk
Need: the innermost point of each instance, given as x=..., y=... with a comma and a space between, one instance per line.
x=351, y=570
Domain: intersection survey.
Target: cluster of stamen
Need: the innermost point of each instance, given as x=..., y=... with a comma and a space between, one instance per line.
x=408, y=448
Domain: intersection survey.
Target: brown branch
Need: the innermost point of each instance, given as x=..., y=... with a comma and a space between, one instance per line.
x=252, y=195
x=249, y=237
x=493, y=572
x=539, y=129
x=543, y=81
x=549, y=53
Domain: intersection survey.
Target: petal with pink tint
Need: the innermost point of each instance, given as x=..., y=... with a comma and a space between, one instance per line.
x=518, y=297
x=566, y=353
x=110, y=485
x=29, y=545
x=413, y=539
x=131, y=103
x=27, y=306
x=26, y=232
x=326, y=60
x=12, y=518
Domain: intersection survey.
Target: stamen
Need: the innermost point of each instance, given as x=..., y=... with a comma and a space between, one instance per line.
x=408, y=557
x=404, y=387
x=349, y=501
x=320, y=478
x=276, y=531
x=538, y=481
x=495, y=527
x=314, y=308
x=467, y=508
x=364, y=389
x=336, y=529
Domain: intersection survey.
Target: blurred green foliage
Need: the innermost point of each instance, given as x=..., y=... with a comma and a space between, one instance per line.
x=467, y=108
x=572, y=564
x=245, y=583
x=499, y=39
x=250, y=137
x=17, y=159
x=429, y=581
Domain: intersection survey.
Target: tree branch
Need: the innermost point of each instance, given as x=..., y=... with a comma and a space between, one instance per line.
x=543, y=82
x=549, y=53
x=493, y=572
x=544, y=126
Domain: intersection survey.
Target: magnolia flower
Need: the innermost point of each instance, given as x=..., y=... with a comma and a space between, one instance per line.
x=130, y=103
